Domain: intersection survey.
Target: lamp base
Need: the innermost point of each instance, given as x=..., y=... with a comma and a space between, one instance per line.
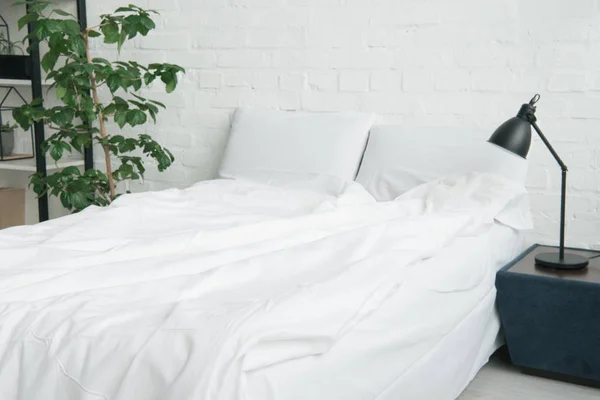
x=569, y=262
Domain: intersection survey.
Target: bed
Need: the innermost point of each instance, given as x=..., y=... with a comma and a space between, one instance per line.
x=428, y=361
x=283, y=279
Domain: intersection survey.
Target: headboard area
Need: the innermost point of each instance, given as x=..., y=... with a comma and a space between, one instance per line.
x=398, y=158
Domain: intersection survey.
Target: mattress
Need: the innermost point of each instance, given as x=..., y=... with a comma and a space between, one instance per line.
x=381, y=359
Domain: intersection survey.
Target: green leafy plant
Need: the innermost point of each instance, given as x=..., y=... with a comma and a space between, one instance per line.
x=82, y=118
x=7, y=47
x=7, y=127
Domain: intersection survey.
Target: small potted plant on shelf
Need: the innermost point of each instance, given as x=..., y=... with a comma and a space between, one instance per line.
x=12, y=57
x=7, y=139
x=7, y=47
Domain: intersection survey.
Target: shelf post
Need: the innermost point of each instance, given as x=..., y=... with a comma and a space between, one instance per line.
x=82, y=17
x=39, y=134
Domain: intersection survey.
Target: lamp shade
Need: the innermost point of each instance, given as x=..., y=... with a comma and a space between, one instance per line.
x=514, y=135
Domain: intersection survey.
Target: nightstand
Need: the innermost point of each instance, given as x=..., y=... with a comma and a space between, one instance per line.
x=551, y=318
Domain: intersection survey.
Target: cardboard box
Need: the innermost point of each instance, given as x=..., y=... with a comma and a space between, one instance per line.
x=12, y=207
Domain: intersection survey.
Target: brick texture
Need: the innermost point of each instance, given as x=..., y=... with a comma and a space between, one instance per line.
x=462, y=63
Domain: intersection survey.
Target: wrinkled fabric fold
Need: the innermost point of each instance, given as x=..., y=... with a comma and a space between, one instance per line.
x=179, y=294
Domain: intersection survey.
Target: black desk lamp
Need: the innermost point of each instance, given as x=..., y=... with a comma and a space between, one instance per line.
x=515, y=136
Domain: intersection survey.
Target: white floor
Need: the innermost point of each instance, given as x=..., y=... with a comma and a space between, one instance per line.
x=499, y=380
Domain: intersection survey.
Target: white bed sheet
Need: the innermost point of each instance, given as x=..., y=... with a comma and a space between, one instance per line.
x=377, y=360
x=182, y=294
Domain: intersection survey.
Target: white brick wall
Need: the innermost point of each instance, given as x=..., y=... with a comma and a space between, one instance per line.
x=461, y=62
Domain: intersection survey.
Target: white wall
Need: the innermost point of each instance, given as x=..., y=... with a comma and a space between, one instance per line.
x=11, y=14
x=419, y=62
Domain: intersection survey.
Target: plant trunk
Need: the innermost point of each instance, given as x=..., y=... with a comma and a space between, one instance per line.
x=111, y=181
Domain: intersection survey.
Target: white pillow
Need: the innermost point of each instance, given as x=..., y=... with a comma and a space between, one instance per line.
x=398, y=158
x=263, y=141
x=324, y=184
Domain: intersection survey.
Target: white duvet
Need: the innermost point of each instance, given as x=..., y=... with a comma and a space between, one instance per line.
x=179, y=294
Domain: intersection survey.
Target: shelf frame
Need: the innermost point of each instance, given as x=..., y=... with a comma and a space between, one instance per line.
x=28, y=68
x=39, y=135
x=88, y=154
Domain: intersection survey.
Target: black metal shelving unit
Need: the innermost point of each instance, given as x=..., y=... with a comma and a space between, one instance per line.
x=27, y=67
x=82, y=16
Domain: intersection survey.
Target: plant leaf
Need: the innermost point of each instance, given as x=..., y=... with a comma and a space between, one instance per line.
x=31, y=17
x=49, y=60
x=61, y=91
x=114, y=82
x=56, y=152
x=64, y=13
x=111, y=32
x=136, y=117
x=121, y=118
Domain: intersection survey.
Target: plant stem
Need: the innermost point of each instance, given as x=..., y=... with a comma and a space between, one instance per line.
x=111, y=181
x=56, y=128
x=91, y=28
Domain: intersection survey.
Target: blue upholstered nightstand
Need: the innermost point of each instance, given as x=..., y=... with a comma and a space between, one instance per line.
x=551, y=318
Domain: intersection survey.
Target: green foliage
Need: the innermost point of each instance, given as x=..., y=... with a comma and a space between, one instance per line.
x=75, y=190
x=81, y=119
x=7, y=47
x=7, y=127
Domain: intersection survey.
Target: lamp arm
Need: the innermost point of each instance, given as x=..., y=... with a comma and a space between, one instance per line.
x=563, y=187
x=548, y=145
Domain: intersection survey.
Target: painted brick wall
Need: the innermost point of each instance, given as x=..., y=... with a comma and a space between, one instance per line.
x=418, y=62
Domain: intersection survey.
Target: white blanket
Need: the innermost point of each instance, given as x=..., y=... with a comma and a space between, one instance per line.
x=178, y=294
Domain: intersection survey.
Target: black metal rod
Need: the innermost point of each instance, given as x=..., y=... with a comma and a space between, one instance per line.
x=563, y=207
x=1, y=145
x=5, y=24
x=549, y=146
x=563, y=189
x=39, y=135
x=88, y=154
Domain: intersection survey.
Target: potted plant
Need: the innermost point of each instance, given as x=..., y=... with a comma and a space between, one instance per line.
x=7, y=47
x=12, y=58
x=7, y=139
x=83, y=119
